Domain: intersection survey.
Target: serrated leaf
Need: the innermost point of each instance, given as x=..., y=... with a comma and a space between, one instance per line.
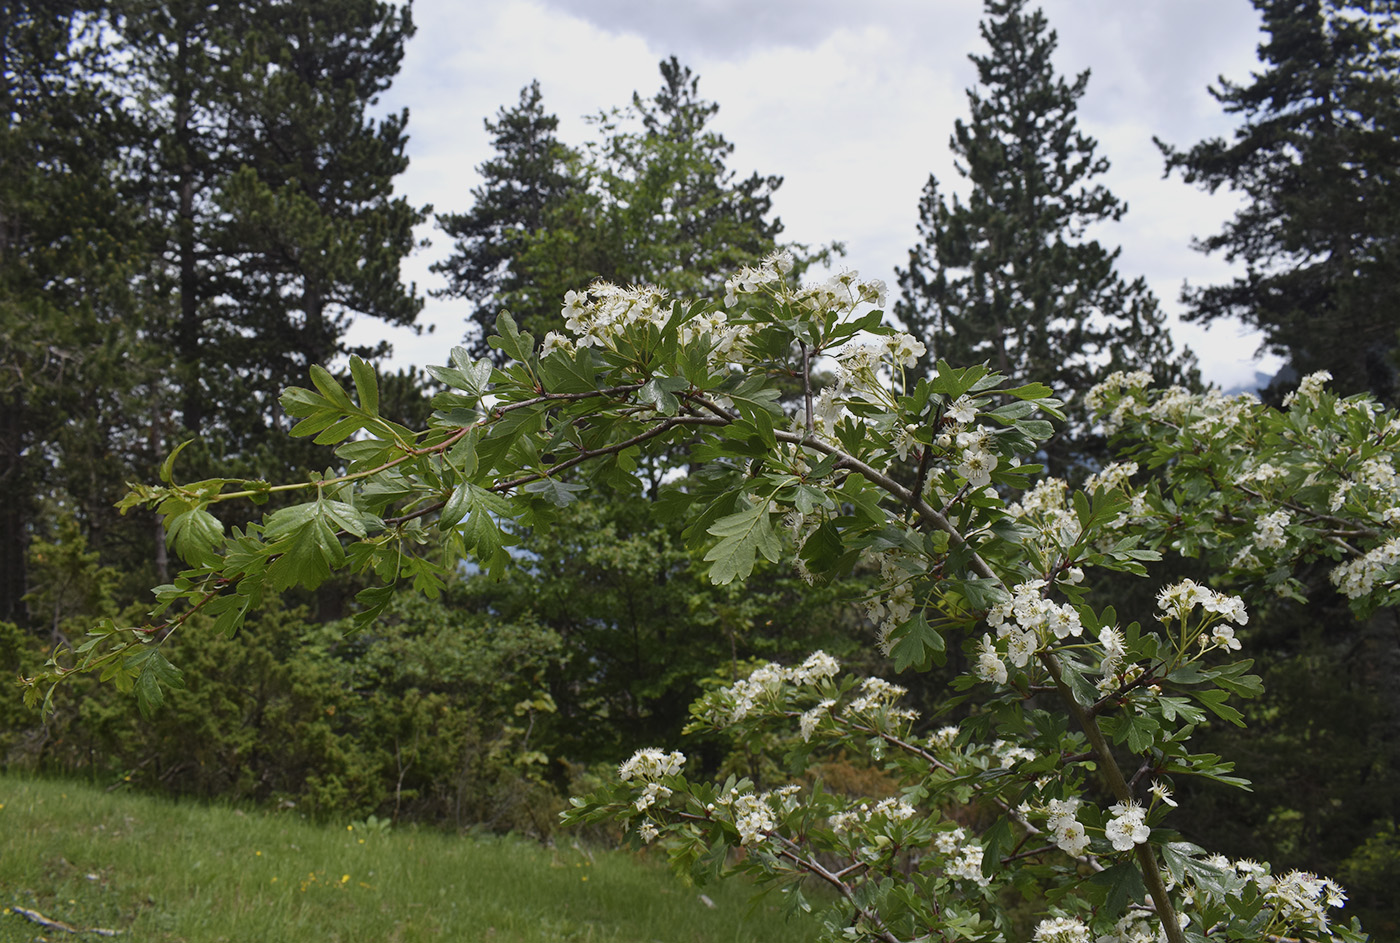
x=330, y=387
x=559, y=493
x=153, y=674
x=196, y=536
x=743, y=535
x=475, y=374
x=570, y=373
x=167, y=467
x=366, y=385
x=1125, y=886
x=915, y=644
x=306, y=545
x=510, y=341
x=1214, y=700
x=660, y=392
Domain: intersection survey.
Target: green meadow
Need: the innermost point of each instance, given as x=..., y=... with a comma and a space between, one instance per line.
x=158, y=870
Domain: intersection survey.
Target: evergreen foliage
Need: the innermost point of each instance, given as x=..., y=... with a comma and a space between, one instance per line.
x=1317, y=160
x=76, y=295
x=1009, y=277
x=275, y=191
x=522, y=190
x=653, y=202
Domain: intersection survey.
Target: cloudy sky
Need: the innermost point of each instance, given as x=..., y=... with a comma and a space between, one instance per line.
x=852, y=104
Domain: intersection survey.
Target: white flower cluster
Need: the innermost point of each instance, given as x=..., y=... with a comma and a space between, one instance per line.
x=1381, y=484
x=878, y=695
x=601, y=312
x=807, y=723
x=894, y=604
x=1062, y=930
x=1210, y=415
x=1177, y=601
x=1268, y=530
x=1114, y=652
x=990, y=667
x=1301, y=898
x=1263, y=472
x=1115, y=383
x=750, y=279
x=886, y=810
x=1046, y=508
x=754, y=816
x=860, y=366
x=769, y=680
x=1008, y=754
x=1063, y=822
x=964, y=856
x=1298, y=898
x=1034, y=615
x=1136, y=928
x=943, y=737
x=841, y=293
x=1024, y=624
x=1116, y=475
x=977, y=461
x=1357, y=578
x=650, y=764
x=1128, y=827
x=1309, y=388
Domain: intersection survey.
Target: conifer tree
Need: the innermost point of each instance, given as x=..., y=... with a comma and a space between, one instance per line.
x=276, y=188
x=1317, y=158
x=75, y=299
x=527, y=181
x=1006, y=276
x=652, y=201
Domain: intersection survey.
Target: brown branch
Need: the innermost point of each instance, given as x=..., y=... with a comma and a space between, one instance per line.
x=1147, y=860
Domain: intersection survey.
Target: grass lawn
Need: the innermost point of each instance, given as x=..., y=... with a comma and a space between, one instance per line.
x=164, y=871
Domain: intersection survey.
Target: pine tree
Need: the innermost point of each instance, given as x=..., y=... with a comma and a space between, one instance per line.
x=528, y=181
x=681, y=218
x=75, y=298
x=653, y=201
x=1008, y=277
x=1317, y=158
x=276, y=189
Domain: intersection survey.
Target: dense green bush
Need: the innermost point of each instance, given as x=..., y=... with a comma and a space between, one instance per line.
x=433, y=713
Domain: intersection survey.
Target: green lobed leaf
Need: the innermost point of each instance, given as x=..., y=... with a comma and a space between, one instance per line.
x=743, y=535
x=366, y=385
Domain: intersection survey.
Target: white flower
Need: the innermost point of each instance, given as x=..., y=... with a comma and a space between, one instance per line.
x=647, y=832
x=977, y=467
x=1309, y=388
x=1061, y=930
x=1268, y=530
x=1224, y=637
x=555, y=341
x=1128, y=827
x=947, y=842
x=1113, y=651
x=651, y=764
x=963, y=410
x=989, y=663
x=1163, y=794
x=943, y=737
x=968, y=865
x=807, y=723
x=904, y=350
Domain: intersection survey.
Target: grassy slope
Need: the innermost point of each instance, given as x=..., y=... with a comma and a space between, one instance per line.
x=167, y=871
